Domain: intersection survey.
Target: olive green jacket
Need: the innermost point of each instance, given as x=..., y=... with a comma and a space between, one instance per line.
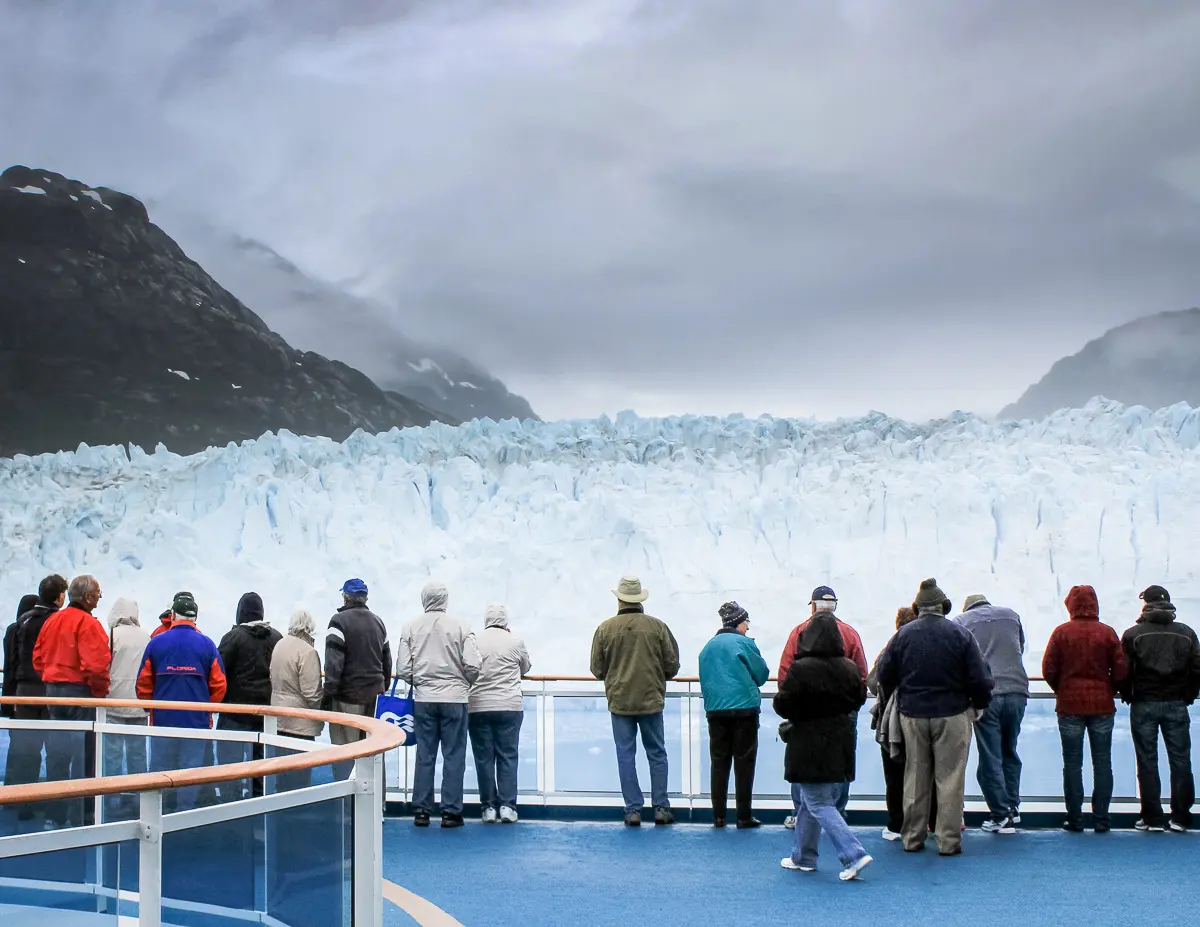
x=635, y=655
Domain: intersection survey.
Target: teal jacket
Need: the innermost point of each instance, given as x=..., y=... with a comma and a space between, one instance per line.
x=731, y=670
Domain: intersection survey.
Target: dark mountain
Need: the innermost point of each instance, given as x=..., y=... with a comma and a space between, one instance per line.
x=110, y=334
x=1151, y=362
x=315, y=315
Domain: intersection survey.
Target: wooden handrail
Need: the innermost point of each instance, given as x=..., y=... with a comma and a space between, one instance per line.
x=381, y=737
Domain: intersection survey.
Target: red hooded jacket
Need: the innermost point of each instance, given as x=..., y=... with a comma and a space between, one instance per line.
x=73, y=647
x=850, y=641
x=1084, y=662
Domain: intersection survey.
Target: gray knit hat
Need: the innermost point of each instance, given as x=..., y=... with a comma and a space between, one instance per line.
x=973, y=600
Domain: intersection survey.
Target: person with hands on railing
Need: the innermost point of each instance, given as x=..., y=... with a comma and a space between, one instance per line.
x=19, y=747
x=181, y=665
x=296, y=683
x=72, y=657
x=635, y=654
x=731, y=672
x=818, y=698
x=125, y=754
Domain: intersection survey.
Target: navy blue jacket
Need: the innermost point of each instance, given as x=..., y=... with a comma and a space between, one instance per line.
x=936, y=669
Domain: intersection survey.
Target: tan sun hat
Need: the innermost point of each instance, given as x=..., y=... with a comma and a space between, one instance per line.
x=629, y=589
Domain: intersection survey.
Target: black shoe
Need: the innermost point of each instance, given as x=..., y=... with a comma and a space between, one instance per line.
x=749, y=824
x=452, y=820
x=1101, y=827
x=1072, y=828
x=633, y=819
x=421, y=819
x=718, y=822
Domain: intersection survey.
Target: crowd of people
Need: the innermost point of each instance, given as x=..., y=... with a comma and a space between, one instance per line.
x=462, y=685
x=940, y=682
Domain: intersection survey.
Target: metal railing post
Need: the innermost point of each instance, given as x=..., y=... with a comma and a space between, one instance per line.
x=367, y=866
x=150, y=860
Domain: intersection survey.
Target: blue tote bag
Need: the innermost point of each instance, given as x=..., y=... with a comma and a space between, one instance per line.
x=398, y=711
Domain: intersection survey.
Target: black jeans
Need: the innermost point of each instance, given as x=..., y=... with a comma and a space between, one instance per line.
x=70, y=754
x=234, y=752
x=733, y=741
x=1146, y=719
x=893, y=777
x=24, y=765
x=495, y=743
x=1099, y=730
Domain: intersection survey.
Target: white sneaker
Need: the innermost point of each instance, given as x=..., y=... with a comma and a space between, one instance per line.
x=1016, y=818
x=889, y=834
x=508, y=815
x=1003, y=826
x=489, y=816
x=788, y=863
x=790, y=822
x=1151, y=828
x=1177, y=828
x=852, y=871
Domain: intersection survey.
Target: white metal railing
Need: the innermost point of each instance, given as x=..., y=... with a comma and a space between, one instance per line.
x=363, y=787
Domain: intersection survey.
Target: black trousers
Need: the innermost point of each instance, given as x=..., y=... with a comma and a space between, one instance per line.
x=893, y=777
x=733, y=742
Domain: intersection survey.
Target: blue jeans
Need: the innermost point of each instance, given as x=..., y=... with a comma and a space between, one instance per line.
x=1099, y=730
x=999, y=770
x=625, y=731
x=179, y=753
x=495, y=741
x=816, y=805
x=442, y=723
x=1146, y=719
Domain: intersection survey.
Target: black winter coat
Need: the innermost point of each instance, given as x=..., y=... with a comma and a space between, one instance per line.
x=820, y=696
x=1164, y=658
x=246, y=654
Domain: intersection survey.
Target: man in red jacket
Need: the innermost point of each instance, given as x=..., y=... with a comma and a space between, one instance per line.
x=1084, y=665
x=825, y=600
x=72, y=657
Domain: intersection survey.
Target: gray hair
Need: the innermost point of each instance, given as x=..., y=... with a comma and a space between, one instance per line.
x=302, y=624
x=358, y=598
x=825, y=606
x=81, y=587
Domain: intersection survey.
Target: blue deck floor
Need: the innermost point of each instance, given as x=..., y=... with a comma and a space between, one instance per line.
x=541, y=873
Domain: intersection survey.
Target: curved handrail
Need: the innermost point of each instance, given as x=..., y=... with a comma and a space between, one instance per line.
x=380, y=738
x=673, y=679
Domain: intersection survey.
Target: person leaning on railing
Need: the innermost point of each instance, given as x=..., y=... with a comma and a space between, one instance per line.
x=72, y=657
x=181, y=665
x=125, y=753
x=17, y=751
x=296, y=683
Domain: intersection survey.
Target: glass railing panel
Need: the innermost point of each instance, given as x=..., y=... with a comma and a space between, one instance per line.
x=584, y=754
x=299, y=779
x=43, y=755
x=68, y=888
x=309, y=859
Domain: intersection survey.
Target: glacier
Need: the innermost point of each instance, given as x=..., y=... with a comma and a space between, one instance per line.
x=545, y=517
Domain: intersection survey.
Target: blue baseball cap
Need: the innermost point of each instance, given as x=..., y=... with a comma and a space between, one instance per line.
x=823, y=594
x=354, y=587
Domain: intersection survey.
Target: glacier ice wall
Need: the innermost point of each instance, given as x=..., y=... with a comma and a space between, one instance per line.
x=546, y=517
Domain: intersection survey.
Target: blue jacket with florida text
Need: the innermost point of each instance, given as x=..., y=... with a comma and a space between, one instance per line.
x=182, y=665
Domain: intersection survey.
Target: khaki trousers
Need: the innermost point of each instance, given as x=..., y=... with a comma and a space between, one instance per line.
x=936, y=752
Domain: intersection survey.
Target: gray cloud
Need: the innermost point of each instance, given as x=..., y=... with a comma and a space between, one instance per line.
x=711, y=206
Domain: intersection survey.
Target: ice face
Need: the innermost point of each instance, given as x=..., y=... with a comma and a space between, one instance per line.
x=545, y=518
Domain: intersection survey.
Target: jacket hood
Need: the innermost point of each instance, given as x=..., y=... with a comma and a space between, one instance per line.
x=1082, y=604
x=124, y=611
x=250, y=608
x=27, y=602
x=821, y=638
x=1157, y=613
x=434, y=597
x=256, y=628
x=496, y=616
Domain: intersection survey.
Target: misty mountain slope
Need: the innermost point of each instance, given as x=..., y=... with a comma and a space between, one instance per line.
x=1150, y=362
x=111, y=334
x=315, y=315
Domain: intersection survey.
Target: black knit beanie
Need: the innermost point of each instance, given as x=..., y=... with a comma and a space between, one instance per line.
x=732, y=615
x=931, y=596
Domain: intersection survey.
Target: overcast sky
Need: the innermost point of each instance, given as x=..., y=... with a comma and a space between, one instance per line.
x=687, y=205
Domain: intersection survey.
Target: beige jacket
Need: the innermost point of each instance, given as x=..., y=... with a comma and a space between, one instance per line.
x=296, y=683
x=128, y=642
x=438, y=654
x=504, y=659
